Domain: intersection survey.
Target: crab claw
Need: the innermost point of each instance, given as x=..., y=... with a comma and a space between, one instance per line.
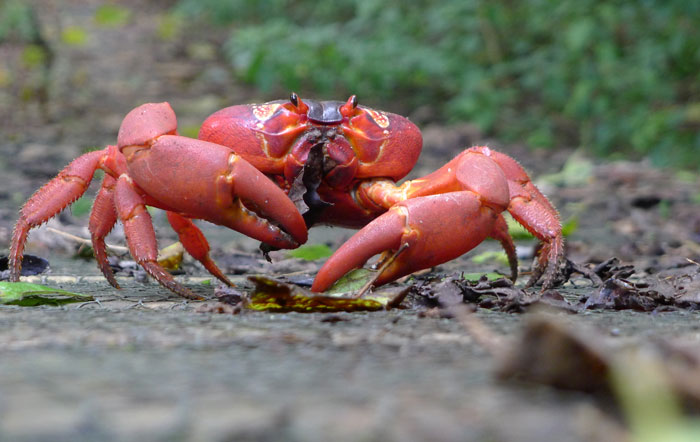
x=433, y=229
x=205, y=180
x=259, y=208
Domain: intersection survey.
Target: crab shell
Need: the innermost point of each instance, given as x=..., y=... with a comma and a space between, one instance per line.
x=358, y=143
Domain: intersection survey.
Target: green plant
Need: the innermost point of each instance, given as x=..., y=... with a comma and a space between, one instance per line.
x=17, y=22
x=610, y=77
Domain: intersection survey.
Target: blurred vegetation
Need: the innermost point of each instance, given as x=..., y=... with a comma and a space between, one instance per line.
x=17, y=22
x=613, y=77
x=25, y=66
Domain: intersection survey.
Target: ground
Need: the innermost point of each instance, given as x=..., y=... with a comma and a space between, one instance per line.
x=140, y=364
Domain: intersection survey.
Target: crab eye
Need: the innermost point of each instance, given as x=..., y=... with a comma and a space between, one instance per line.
x=302, y=107
x=349, y=107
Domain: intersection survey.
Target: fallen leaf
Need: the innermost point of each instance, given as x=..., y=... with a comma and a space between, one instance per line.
x=28, y=295
x=551, y=353
x=171, y=257
x=486, y=292
x=276, y=296
x=311, y=252
x=352, y=281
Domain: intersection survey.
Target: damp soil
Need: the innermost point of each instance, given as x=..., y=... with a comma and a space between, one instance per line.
x=142, y=364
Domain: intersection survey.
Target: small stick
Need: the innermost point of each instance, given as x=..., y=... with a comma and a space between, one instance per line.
x=114, y=249
x=489, y=340
x=384, y=266
x=95, y=301
x=692, y=262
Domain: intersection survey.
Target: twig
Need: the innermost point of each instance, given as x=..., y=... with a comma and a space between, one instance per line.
x=117, y=250
x=139, y=304
x=183, y=304
x=384, y=266
x=489, y=340
x=94, y=301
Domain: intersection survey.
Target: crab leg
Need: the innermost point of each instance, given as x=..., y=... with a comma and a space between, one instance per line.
x=196, y=244
x=49, y=200
x=103, y=217
x=140, y=236
x=534, y=211
x=500, y=234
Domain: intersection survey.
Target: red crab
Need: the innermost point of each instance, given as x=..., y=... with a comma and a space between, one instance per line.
x=250, y=162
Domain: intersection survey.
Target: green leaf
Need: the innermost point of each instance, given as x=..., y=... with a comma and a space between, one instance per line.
x=169, y=26
x=516, y=230
x=28, y=295
x=112, y=16
x=491, y=276
x=276, y=296
x=489, y=256
x=577, y=171
x=81, y=207
x=33, y=56
x=352, y=281
x=191, y=131
x=74, y=36
x=311, y=252
x=570, y=226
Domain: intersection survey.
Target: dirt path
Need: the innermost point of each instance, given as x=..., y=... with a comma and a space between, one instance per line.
x=142, y=365
x=148, y=368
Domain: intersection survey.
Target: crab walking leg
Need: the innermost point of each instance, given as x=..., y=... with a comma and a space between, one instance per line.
x=49, y=200
x=534, y=211
x=141, y=237
x=103, y=217
x=500, y=183
x=196, y=244
x=436, y=229
x=500, y=234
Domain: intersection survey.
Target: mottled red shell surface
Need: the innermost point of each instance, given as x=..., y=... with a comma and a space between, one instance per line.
x=385, y=144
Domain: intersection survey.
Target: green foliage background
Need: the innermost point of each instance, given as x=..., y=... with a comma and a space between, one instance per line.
x=610, y=76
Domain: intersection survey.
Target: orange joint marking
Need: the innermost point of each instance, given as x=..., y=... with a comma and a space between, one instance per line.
x=263, y=141
x=405, y=188
x=232, y=159
x=74, y=178
x=381, y=148
x=379, y=117
x=403, y=213
x=263, y=112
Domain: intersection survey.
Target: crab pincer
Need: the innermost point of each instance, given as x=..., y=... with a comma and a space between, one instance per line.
x=205, y=180
x=432, y=229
